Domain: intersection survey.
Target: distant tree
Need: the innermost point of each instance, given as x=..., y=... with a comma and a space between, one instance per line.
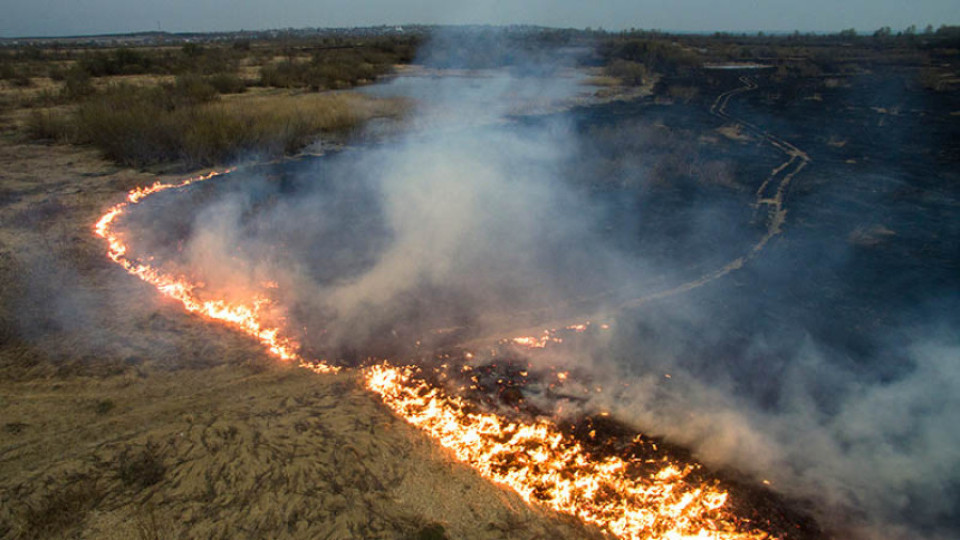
x=883, y=33
x=928, y=30
x=848, y=33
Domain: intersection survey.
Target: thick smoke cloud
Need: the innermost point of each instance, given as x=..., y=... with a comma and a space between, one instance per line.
x=475, y=216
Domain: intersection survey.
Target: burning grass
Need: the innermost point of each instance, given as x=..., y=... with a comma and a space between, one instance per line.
x=630, y=498
x=546, y=467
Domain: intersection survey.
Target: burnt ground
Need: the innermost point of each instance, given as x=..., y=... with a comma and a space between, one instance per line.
x=123, y=417
x=868, y=257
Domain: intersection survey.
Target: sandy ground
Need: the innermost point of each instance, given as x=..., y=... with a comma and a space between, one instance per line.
x=124, y=417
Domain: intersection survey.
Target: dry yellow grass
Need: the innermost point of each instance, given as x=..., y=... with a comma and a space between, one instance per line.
x=316, y=111
x=146, y=126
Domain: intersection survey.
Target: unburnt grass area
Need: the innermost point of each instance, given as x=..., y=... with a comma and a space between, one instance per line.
x=197, y=105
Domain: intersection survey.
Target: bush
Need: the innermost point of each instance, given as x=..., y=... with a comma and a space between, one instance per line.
x=123, y=61
x=685, y=94
x=658, y=55
x=329, y=69
x=282, y=75
x=76, y=85
x=631, y=73
x=7, y=71
x=46, y=125
x=130, y=125
x=227, y=83
x=190, y=89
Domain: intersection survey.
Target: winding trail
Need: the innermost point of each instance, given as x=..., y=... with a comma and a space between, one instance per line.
x=770, y=198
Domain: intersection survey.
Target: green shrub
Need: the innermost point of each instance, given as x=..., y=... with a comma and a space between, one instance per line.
x=658, y=55
x=56, y=72
x=329, y=69
x=21, y=80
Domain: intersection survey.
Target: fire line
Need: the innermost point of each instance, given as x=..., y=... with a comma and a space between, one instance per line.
x=244, y=316
x=533, y=458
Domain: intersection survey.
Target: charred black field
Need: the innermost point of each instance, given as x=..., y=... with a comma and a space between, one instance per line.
x=742, y=256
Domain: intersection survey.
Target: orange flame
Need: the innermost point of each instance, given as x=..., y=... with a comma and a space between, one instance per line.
x=546, y=467
x=244, y=315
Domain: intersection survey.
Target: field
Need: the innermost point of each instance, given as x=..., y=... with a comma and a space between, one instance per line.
x=124, y=417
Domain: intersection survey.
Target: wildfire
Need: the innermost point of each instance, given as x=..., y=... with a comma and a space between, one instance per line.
x=546, y=467
x=534, y=458
x=246, y=316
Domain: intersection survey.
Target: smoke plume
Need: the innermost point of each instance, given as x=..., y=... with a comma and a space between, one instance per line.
x=476, y=215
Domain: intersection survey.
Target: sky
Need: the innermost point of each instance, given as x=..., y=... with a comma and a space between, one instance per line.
x=21, y=18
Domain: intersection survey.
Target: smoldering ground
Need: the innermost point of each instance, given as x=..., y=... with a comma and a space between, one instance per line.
x=779, y=369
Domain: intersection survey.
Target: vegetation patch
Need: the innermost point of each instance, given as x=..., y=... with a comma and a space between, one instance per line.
x=185, y=123
x=140, y=468
x=59, y=509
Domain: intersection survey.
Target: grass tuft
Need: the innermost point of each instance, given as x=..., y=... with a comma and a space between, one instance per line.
x=141, y=468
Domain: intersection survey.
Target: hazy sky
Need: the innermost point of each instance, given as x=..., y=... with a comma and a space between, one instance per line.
x=70, y=17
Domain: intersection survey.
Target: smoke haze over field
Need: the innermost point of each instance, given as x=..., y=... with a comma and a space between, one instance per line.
x=484, y=215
